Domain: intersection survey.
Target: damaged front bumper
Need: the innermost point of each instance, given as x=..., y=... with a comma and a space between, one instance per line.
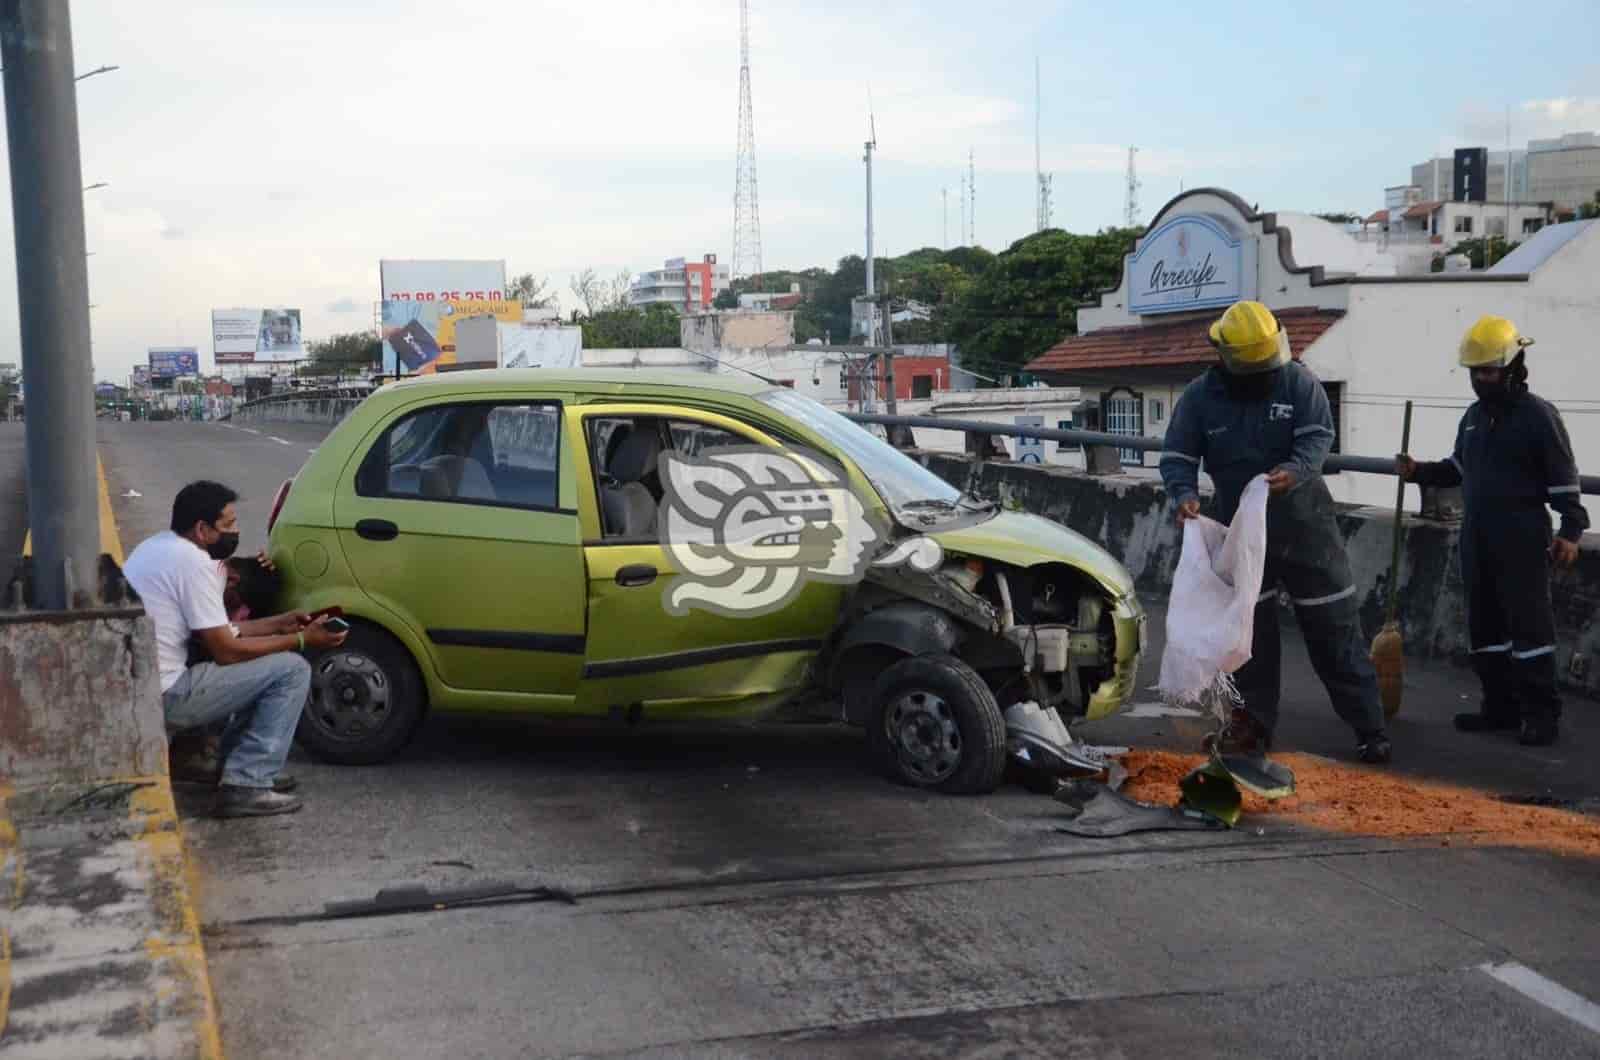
x=1128, y=621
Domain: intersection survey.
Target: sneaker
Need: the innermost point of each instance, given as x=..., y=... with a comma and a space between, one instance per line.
x=1539, y=732
x=1479, y=721
x=235, y=801
x=1375, y=749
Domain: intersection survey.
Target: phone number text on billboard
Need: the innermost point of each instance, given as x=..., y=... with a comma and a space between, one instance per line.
x=446, y=296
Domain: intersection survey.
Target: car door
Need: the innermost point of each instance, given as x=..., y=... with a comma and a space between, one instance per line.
x=460, y=519
x=637, y=651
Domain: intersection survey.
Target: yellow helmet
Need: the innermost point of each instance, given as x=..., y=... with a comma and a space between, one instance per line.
x=1491, y=343
x=1249, y=339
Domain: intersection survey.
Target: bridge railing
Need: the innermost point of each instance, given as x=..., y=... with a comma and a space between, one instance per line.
x=1099, y=446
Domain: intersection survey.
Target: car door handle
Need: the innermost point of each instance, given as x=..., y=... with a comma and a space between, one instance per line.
x=636, y=574
x=377, y=529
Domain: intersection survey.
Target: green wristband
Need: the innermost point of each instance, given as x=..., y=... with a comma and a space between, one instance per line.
x=302, y=637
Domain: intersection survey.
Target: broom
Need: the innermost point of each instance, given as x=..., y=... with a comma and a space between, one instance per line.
x=1388, y=647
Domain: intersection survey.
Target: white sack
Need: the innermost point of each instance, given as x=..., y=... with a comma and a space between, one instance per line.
x=1211, y=616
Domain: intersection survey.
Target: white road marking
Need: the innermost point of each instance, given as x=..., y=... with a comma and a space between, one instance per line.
x=247, y=430
x=280, y=441
x=1160, y=710
x=310, y=450
x=1550, y=994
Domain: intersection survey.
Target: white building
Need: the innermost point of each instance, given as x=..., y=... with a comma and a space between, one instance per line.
x=687, y=286
x=1374, y=340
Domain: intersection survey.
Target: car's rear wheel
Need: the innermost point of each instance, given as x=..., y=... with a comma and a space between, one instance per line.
x=366, y=699
x=936, y=725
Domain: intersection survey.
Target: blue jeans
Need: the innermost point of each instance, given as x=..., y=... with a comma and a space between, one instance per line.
x=261, y=700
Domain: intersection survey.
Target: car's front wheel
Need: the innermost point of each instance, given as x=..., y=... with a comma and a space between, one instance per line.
x=936, y=725
x=366, y=700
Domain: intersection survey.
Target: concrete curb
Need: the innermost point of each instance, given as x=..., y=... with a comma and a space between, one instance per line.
x=101, y=946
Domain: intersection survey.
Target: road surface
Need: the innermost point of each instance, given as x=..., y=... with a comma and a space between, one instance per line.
x=759, y=892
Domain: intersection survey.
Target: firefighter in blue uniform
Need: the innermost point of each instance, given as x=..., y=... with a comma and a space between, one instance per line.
x=1512, y=458
x=1258, y=412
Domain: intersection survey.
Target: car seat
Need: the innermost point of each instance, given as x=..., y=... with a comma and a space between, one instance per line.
x=628, y=504
x=456, y=478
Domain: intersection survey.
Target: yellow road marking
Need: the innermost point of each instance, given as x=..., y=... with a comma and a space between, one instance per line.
x=110, y=540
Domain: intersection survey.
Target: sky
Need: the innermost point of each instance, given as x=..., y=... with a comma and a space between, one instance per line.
x=270, y=153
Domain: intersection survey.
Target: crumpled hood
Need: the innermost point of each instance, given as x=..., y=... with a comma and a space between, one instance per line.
x=1024, y=540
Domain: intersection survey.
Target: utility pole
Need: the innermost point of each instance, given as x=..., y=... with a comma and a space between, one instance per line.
x=888, y=357
x=53, y=300
x=972, y=192
x=1130, y=212
x=944, y=201
x=962, y=232
x=872, y=290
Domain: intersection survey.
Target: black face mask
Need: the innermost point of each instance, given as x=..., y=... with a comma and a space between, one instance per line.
x=1492, y=393
x=224, y=546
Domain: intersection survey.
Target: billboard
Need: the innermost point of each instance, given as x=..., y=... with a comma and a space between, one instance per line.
x=141, y=376
x=247, y=335
x=424, y=283
x=419, y=336
x=169, y=362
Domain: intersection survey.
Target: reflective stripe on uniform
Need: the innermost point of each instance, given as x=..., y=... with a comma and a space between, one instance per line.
x=1453, y=460
x=1523, y=656
x=1315, y=428
x=1492, y=648
x=1180, y=456
x=1564, y=489
x=1332, y=598
x=1270, y=594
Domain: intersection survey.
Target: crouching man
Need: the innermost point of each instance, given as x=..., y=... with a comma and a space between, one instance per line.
x=256, y=679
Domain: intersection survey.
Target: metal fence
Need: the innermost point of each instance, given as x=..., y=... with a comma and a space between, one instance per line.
x=1369, y=465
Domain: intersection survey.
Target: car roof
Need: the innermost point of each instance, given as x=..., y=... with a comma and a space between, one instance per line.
x=610, y=380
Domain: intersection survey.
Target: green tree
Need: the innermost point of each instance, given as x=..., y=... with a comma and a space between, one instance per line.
x=628, y=327
x=727, y=298
x=532, y=291
x=1590, y=209
x=1027, y=300
x=1483, y=252
x=1340, y=218
x=349, y=351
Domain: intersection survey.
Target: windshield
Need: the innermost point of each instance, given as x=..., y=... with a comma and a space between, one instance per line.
x=899, y=480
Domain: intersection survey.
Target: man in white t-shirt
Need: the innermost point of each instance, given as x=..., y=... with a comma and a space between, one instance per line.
x=256, y=679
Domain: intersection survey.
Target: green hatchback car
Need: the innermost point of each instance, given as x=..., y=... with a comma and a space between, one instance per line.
x=503, y=541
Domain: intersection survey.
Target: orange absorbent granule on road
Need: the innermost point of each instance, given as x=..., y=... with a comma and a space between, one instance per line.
x=1361, y=801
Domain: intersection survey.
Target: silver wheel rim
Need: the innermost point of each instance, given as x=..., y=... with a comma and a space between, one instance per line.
x=350, y=696
x=922, y=730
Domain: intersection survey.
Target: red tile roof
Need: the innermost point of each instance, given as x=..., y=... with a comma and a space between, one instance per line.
x=1379, y=218
x=1178, y=344
x=1424, y=209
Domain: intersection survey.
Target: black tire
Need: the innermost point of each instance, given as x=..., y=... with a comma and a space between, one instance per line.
x=367, y=699
x=936, y=725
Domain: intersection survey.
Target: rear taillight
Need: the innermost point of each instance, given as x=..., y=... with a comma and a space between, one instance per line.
x=277, y=502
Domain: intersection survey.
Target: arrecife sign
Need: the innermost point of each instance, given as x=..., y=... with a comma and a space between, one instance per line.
x=1190, y=262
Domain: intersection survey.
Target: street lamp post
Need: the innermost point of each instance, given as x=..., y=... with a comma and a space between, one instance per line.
x=52, y=296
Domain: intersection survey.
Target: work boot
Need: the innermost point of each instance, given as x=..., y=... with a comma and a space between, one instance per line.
x=1374, y=748
x=1487, y=720
x=206, y=772
x=234, y=801
x=1244, y=735
x=1539, y=731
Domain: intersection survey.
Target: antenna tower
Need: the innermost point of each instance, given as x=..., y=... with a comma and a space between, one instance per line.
x=746, y=208
x=944, y=201
x=972, y=200
x=1130, y=213
x=1042, y=218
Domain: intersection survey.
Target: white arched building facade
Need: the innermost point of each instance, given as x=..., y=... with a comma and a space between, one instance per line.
x=1375, y=339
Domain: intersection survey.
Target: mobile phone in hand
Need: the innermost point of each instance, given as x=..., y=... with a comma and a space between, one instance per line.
x=336, y=625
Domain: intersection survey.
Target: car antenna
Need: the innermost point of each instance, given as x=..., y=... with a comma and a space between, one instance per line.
x=737, y=368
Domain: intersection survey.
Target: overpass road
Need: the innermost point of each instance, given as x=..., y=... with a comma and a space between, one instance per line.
x=759, y=892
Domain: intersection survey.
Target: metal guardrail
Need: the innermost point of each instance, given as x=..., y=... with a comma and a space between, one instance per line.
x=1368, y=465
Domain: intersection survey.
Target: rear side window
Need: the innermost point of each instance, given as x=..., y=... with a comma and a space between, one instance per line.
x=502, y=454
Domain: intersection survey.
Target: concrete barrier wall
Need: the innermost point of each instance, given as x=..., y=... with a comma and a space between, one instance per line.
x=327, y=410
x=1130, y=517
